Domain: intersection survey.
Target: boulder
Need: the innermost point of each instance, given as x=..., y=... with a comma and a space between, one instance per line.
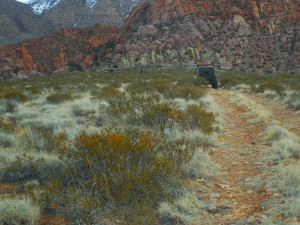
x=240, y=25
x=224, y=65
x=62, y=70
x=8, y=69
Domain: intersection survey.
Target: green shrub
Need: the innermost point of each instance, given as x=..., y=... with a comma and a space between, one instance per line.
x=16, y=212
x=10, y=105
x=271, y=85
x=195, y=117
x=6, y=126
x=81, y=111
x=6, y=140
x=149, y=110
x=35, y=91
x=40, y=138
x=199, y=81
x=228, y=82
x=58, y=98
x=27, y=166
x=191, y=92
x=16, y=96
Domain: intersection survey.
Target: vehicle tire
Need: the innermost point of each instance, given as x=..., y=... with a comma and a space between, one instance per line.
x=215, y=85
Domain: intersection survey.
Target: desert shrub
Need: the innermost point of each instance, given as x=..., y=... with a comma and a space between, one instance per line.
x=58, y=98
x=199, y=81
x=199, y=166
x=6, y=140
x=148, y=110
x=6, y=126
x=184, y=81
x=271, y=85
x=292, y=98
x=114, y=163
x=35, y=91
x=276, y=132
x=287, y=147
x=190, y=92
x=108, y=93
x=291, y=209
x=74, y=66
x=196, y=117
x=28, y=166
x=121, y=169
x=183, y=210
x=82, y=111
x=290, y=180
x=10, y=106
x=29, y=185
x=40, y=138
x=16, y=96
x=228, y=82
x=162, y=84
x=17, y=211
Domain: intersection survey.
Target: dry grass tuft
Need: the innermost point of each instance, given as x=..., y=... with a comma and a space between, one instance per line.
x=261, y=113
x=276, y=132
x=182, y=211
x=16, y=212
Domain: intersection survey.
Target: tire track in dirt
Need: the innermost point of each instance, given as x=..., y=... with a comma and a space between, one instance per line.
x=240, y=184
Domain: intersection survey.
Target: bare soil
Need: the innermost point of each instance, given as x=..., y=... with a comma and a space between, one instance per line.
x=240, y=188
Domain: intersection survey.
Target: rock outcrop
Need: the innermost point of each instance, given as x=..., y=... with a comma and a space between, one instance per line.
x=78, y=49
x=234, y=35
x=9, y=69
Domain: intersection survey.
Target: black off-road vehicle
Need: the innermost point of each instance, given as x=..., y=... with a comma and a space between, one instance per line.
x=208, y=73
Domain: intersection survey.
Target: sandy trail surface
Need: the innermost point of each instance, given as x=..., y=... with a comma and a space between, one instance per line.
x=240, y=187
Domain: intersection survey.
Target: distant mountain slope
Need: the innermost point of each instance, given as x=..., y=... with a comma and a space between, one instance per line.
x=235, y=35
x=84, y=13
x=79, y=49
x=18, y=22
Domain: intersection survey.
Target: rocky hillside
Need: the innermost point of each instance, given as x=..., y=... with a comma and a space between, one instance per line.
x=235, y=35
x=70, y=48
x=18, y=22
x=84, y=13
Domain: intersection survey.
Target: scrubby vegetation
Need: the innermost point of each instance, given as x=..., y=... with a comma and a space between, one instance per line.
x=287, y=145
x=279, y=87
x=107, y=146
x=15, y=212
x=260, y=113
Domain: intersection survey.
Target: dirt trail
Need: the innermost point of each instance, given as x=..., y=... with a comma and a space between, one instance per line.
x=239, y=188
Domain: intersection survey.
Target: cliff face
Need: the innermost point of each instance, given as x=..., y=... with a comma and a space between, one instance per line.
x=235, y=35
x=18, y=22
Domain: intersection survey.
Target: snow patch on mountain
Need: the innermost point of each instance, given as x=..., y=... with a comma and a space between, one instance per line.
x=134, y=3
x=122, y=3
x=43, y=5
x=90, y=3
